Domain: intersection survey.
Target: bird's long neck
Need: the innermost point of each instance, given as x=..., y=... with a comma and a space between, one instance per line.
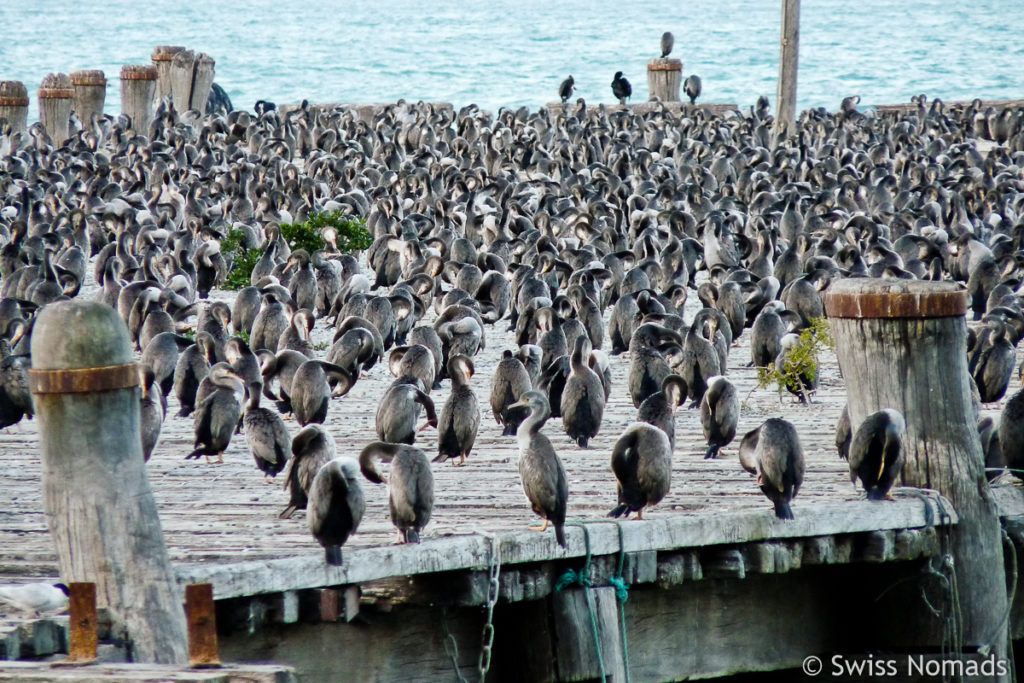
x=538, y=416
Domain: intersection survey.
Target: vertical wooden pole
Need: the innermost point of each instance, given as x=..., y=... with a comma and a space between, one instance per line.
x=663, y=79
x=83, y=622
x=99, y=507
x=161, y=58
x=577, y=612
x=14, y=105
x=55, y=99
x=182, y=65
x=90, y=93
x=202, y=81
x=138, y=88
x=902, y=344
x=785, y=96
x=202, y=626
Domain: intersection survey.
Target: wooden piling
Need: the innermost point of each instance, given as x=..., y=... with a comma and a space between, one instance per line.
x=161, y=58
x=14, y=105
x=90, y=93
x=56, y=96
x=202, y=626
x=202, y=81
x=789, y=48
x=83, y=623
x=576, y=616
x=902, y=344
x=138, y=89
x=182, y=65
x=99, y=507
x=664, y=77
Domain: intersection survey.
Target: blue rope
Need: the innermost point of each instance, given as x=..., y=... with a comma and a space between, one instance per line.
x=621, y=588
x=622, y=593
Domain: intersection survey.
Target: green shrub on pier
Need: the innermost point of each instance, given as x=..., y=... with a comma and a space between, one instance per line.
x=802, y=360
x=351, y=232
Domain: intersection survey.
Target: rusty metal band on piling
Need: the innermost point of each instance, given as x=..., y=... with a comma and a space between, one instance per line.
x=84, y=380
x=201, y=616
x=895, y=304
x=664, y=65
x=55, y=94
x=83, y=622
x=134, y=72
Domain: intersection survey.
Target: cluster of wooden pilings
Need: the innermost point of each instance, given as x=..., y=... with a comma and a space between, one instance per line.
x=182, y=76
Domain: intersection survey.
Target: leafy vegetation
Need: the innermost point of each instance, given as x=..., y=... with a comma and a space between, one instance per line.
x=351, y=235
x=802, y=361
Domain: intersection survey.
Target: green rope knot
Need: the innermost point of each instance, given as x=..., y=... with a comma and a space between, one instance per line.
x=572, y=577
x=621, y=589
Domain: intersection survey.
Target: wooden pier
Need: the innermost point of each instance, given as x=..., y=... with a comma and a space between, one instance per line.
x=713, y=548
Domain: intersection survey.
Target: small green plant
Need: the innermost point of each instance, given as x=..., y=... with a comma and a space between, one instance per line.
x=349, y=232
x=321, y=346
x=242, y=260
x=243, y=335
x=801, y=364
x=187, y=332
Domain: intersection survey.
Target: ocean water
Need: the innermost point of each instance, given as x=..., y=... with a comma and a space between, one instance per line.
x=516, y=52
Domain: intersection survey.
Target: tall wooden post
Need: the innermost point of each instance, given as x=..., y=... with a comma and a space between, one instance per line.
x=785, y=96
x=663, y=79
x=202, y=81
x=90, y=93
x=161, y=58
x=138, y=88
x=14, y=105
x=182, y=65
x=55, y=99
x=902, y=344
x=99, y=508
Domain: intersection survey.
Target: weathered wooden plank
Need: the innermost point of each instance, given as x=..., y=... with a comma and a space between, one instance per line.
x=130, y=673
x=467, y=552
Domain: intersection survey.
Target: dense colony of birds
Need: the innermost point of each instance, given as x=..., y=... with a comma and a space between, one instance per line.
x=547, y=224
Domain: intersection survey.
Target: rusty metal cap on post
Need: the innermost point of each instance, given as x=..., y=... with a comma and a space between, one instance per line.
x=56, y=87
x=88, y=77
x=13, y=94
x=81, y=346
x=881, y=298
x=666, y=64
x=138, y=72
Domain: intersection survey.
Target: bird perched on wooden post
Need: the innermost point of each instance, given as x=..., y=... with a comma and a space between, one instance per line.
x=565, y=90
x=667, y=41
x=691, y=86
x=621, y=88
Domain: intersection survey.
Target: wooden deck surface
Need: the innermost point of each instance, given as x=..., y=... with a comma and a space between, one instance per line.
x=216, y=515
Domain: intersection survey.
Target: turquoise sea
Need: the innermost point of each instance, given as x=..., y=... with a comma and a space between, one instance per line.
x=502, y=52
